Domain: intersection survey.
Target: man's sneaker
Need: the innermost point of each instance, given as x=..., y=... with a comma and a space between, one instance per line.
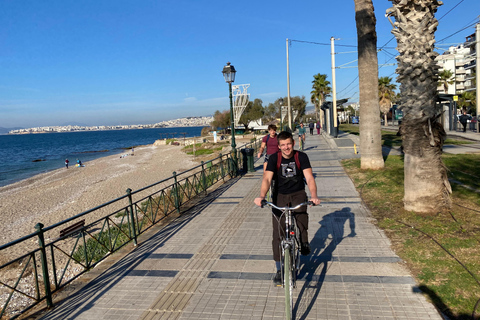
x=277, y=280
x=305, y=249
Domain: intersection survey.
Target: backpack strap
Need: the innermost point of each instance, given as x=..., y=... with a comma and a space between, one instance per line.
x=279, y=159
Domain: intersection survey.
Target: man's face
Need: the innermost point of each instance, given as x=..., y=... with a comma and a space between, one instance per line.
x=272, y=132
x=286, y=147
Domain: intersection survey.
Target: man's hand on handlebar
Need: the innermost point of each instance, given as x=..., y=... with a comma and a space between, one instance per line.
x=258, y=201
x=315, y=201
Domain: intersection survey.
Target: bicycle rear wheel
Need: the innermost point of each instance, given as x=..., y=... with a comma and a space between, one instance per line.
x=288, y=283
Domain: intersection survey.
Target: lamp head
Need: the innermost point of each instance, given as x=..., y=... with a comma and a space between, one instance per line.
x=229, y=73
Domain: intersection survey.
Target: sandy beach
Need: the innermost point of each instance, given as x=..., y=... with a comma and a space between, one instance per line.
x=57, y=195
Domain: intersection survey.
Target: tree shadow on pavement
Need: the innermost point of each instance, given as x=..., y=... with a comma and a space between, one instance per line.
x=314, y=268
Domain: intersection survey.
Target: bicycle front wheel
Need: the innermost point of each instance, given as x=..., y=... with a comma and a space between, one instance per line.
x=288, y=283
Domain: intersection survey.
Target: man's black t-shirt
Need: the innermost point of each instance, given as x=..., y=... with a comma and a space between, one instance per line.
x=289, y=178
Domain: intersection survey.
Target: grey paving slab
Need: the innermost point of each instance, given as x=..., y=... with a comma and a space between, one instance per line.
x=216, y=262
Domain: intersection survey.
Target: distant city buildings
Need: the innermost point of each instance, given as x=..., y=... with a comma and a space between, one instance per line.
x=460, y=60
x=183, y=122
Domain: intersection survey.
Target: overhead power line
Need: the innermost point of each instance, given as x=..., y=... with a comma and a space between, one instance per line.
x=450, y=10
x=471, y=25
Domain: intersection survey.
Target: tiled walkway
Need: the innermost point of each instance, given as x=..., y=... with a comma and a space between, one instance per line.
x=215, y=262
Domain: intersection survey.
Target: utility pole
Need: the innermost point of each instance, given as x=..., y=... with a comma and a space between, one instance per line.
x=288, y=94
x=334, y=89
x=477, y=69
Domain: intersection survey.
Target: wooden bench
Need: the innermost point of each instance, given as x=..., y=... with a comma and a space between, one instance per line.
x=74, y=228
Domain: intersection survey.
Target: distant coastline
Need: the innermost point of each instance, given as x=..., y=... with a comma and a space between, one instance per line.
x=182, y=122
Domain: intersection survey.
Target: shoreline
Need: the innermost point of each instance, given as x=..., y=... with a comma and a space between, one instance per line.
x=56, y=195
x=24, y=156
x=72, y=164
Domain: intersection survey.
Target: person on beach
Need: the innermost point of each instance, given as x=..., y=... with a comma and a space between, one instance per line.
x=270, y=142
x=66, y=163
x=132, y=151
x=290, y=178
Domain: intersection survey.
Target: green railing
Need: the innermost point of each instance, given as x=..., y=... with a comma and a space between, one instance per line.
x=60, y=253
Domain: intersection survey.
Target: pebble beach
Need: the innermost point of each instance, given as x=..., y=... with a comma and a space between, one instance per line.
x=60, y=194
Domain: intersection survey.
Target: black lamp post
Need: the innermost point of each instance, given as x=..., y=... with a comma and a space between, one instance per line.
x=229, y=74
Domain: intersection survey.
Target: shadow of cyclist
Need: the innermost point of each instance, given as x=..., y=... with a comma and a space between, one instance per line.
x=314, y=267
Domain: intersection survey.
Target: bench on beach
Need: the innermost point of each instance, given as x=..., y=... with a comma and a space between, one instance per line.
x=73, y=229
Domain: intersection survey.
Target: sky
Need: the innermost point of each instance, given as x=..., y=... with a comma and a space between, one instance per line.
x=142, y=61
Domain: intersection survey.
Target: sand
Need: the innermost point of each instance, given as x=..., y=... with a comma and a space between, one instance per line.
x=57, y=195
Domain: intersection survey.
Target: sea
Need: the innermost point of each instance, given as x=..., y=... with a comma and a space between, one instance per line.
x=26, y=155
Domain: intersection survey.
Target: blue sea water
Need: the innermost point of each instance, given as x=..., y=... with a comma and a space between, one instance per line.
x=18, y=153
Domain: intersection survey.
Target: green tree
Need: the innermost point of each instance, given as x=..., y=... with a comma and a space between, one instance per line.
x=252, y=112
x=370, y=134
x=445, y=78
x=271, y=112
x=386, y=95
x=221, y=120
x=426, y=183
x=321, y=90
x=468, y=101
x=298, y=104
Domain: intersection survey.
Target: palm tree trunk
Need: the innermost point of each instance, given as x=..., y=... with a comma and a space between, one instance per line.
x=370, y=127
x=426, y=184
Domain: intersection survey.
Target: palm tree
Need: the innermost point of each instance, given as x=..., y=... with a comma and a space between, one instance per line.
x=468, y=99
x=426, y=183
x=386, y=95
x=321, y=90
x=445, y=78
x=370, y=134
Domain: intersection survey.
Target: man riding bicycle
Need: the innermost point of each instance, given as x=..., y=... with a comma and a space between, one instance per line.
x=301, y=135
x=289, y=174
x=270, y=143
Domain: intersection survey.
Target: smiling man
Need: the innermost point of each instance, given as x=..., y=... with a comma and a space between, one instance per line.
x=290, y=174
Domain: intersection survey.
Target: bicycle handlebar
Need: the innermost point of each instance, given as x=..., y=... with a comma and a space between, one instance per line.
x=265, y=202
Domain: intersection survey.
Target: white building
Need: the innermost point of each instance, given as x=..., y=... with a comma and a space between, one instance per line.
x=460, y=60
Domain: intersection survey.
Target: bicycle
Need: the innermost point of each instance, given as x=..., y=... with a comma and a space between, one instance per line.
x=290, y=252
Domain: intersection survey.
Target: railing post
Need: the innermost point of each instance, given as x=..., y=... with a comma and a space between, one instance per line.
x=221, y=167
x=132, y=217
x=235, y=163
x=43, y=258
x=204, y=178
x=176, y=196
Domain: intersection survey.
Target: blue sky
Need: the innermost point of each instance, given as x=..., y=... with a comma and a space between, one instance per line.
x=136, y=62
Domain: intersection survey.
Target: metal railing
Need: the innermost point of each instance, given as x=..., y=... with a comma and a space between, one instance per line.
x=58, y=254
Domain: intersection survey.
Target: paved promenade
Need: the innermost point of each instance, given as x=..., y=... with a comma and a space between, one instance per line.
x=215, y=262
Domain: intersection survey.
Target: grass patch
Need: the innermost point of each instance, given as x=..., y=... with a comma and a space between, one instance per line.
x=390, y=138
x=452, y=288
x=201, y=152
x=96, y=249
x=450, y=141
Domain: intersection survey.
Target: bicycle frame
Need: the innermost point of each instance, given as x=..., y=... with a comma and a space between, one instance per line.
x=290, y=253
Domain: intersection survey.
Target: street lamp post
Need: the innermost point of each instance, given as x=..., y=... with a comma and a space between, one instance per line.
x=229, y=75
x=280, y=101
